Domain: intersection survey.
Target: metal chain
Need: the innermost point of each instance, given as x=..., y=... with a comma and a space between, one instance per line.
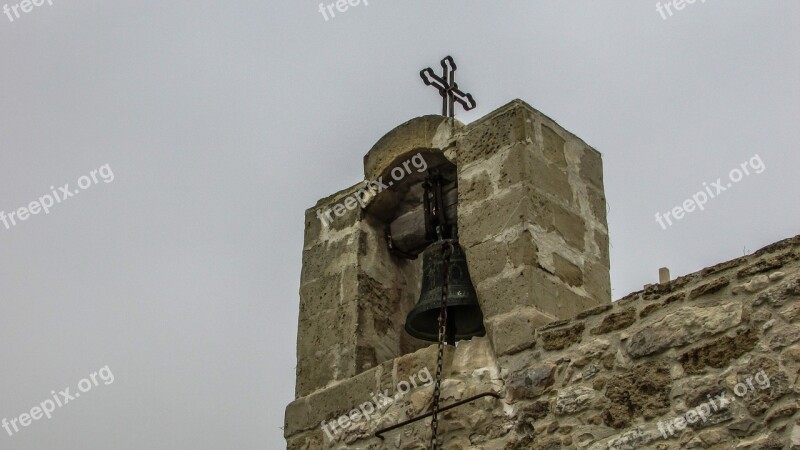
x=447, y=251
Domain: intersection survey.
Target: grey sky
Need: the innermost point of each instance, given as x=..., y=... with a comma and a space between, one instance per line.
x=224, y=121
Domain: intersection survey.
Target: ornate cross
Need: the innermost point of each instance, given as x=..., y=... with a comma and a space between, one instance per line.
x=448, y=89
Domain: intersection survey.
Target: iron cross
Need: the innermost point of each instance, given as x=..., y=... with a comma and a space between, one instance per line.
x=448, y=89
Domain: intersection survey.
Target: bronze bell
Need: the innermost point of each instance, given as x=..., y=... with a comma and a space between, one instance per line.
x=464, y=316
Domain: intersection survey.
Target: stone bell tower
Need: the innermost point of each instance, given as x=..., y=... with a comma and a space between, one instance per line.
x=527, y=197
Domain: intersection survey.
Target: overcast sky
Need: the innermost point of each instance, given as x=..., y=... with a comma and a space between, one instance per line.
x=223, y=121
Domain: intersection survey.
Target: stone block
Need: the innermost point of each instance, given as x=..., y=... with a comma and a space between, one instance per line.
x=525, y=286
x=531, y=382
x=339, y=399
x=315, y=336
x=719, y=352
x=574, y=399
x=709, y=288
x=561, y=338
x=320, y=294
x=601, y=240
x=522, y=250
x=616, y=321
x=507, y=209
x=764, y=265
x=521, y=165
x=567, y=271
x=475, y=354
x=487, y=259
x=553, y=147
x=328, y=258
x=597, y=283
x=516, y=331
x=597, y=204
x=641, y=391
x=307, y=441
x=425, y=359
x=316, y=368
x=476, y=188
x=492, y=133
x=684, y=326
x=570, y=226
x=592, y=168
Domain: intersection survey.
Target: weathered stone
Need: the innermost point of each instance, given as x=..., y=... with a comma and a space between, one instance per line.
x=780, y=294
x=522, y=251
x=642, y=391
x=572, y=400
x=594, y=311
x=629, y=440
x=492, y=133
x=719, y=352
x=535, y=411
x=791, y=313
x=567, y=271
x=674, y=298
x=601, y=239
x=782, y=411
x=515, y=331
x=476, y=353
x=561, y=338
x=415, y=363
x=743, y=427
x=597, y=282
x=682, y=327
x=525, y=287
x=768, y=442
x=795, y=437
x=487, y=259
x=655, y=291
x=532, y=382
x=476, y=188
x=597, y=204
x=784, y=336
x=307, y=412
x=649, y=309
x=721, y=267
x=771, y=382
x=712, y=437
x=507, y=209
x=764, y=265
x=528, y=286
x=791, y=355
x=522, y=165
x=547, y=443
x=553, y=147
x=709, y=288
x=592, y=168
x=616, y=321
x=570, y=226
x=775, y=276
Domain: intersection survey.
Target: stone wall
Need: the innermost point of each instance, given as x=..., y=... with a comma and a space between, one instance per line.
x=605, y=378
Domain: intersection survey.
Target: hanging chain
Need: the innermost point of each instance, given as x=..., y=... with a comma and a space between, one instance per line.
x=447, y=251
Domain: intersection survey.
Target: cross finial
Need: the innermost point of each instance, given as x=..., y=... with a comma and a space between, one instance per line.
x=448, y=89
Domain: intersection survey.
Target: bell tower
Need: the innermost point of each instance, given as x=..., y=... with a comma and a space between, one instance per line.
x=524, y=199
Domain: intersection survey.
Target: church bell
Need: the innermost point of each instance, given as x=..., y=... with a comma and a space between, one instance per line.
x=464, y=316
x=444, y=265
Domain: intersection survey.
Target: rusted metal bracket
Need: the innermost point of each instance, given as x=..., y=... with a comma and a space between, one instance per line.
x=380, y=432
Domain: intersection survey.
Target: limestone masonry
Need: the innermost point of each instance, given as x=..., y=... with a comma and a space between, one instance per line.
x=573, y=370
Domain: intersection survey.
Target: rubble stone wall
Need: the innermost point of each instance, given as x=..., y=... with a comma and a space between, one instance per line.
x=709, y=360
